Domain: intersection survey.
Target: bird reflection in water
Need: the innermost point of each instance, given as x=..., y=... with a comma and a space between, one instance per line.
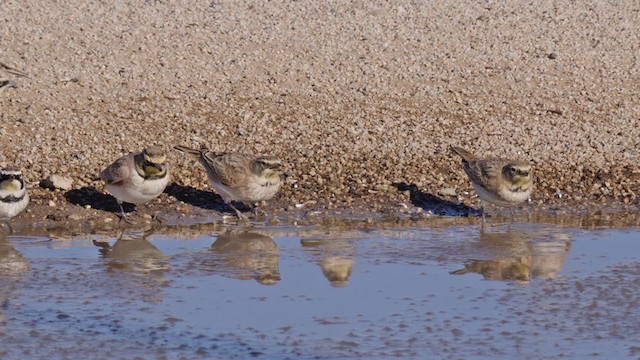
x=135, y=262
x=519, y=255
x=13, y=265
x=334, y=257
x=246, y=255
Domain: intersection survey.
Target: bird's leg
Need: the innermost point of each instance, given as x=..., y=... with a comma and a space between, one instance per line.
x=154, y=215
x=256, y=209
x=513, y=216
x=482, y=227
x=241, y=216
x=482, y=211
x=123, y=215
x=9, y=227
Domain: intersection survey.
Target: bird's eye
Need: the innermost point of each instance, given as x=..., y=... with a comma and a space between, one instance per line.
x=512, y=170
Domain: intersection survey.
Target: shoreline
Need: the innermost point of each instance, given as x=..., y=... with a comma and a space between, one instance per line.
x=87, y=211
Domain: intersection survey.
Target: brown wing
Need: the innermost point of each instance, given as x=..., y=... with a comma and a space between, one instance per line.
x=483, y=172
x=230, y=169
x=118, y=171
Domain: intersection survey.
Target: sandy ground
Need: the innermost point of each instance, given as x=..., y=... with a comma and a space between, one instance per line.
x=356, y=96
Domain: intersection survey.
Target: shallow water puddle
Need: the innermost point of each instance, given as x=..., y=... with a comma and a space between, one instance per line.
x=521, y=290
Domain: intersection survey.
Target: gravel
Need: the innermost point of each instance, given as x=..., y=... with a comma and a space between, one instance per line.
x=354, y=96
x=57, y=182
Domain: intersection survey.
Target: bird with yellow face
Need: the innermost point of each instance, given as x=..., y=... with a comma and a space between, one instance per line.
x=13, y=193
x=501, y=182
x=137, y=178
x=239, y=177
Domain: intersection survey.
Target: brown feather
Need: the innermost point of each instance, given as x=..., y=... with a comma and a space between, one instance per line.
x=230, y=169
x=484, y=172
x=118, y=171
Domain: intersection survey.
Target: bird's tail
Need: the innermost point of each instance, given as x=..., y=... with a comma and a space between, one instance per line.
x=188, y=150
x=464, y=154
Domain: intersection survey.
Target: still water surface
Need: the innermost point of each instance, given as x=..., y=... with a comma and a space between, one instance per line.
x=454, y=290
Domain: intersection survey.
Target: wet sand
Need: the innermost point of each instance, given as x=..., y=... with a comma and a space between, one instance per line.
x=356, y=97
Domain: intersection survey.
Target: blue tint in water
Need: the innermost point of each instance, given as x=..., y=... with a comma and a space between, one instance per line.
x=525, y=291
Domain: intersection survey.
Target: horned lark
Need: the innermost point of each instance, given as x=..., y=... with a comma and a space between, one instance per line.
x=498, y=181
x=239, y=177
x=137, y=178
x=13, y=194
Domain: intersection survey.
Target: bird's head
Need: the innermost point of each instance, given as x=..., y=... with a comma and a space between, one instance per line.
x=267, y=166
x=517, y=173
x=11, y=179
x=152, y=162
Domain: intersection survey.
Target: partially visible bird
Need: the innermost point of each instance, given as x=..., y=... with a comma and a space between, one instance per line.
x=13, y=194
x=137, y=178
x=498, y=181
x=239, y=177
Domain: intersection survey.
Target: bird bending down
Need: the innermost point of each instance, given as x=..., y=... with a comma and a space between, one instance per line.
x=239, y=177
x=13, y=194
x=498, y=181
x=137, y=178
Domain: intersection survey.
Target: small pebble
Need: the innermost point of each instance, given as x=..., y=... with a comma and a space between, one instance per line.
x=75, y=217
x=55, y=181
x=447, y=192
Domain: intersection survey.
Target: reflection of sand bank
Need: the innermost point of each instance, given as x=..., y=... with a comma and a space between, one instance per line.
x=520, y=255
x=334, y=257
x=248, y=255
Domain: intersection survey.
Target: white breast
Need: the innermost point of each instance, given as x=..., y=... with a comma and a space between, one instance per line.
x=9, y=210
x=255, y=191
x=139, y=190
x=265, y=190
x=515, y=197
x=504, y=197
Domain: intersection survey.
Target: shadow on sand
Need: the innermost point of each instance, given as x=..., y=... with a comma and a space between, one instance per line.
x=89, y=195
x=438, y=206
x=202, y=198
